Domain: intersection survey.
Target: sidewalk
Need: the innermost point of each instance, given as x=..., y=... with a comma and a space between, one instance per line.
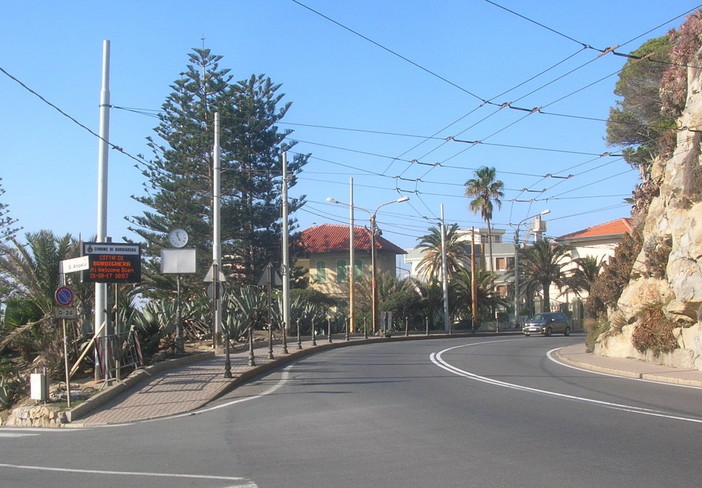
x=631, y=368
x=183, y=385
x=179, y=386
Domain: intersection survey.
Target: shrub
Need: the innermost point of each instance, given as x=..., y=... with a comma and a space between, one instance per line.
x=610, y=283
x=654, y=331
x=593, y=329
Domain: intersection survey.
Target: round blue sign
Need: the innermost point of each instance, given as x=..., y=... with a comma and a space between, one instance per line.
x=64, y=296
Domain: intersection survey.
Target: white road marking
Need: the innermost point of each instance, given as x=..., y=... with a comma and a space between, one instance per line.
x=9, y=432
x=241, y=482
x=272, y=389
x=16, y=434
x=437, y=359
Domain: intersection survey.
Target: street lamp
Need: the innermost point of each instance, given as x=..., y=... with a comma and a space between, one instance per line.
x=444, y=275
x=373, y=231
x=516, y=263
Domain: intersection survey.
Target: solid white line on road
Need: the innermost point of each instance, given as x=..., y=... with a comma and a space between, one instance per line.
x=242, y=482
x=283, y=379
x=272, y=389
x=437, y=359
x=9, y=432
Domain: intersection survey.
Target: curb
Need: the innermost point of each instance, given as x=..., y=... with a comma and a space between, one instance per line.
x=682, y=377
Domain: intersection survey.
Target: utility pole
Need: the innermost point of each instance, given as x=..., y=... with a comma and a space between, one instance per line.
x=473, y=282
x=351, y=327
x=216, y=231
x=444, y=275
x=101, y=316
x=286, y=255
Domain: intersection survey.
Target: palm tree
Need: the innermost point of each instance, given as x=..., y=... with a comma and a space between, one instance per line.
x=34, y=267
x=33, y=270
x=542, y=265
x=485, y=191
x=582, y=277
x=487, y=298
x=430, y=244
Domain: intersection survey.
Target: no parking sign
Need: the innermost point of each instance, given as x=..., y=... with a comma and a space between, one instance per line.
x=64, y=296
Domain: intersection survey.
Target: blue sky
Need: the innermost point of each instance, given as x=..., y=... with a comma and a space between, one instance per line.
x=378, y=108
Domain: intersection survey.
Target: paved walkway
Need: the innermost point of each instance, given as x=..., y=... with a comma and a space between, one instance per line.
x=186, y=387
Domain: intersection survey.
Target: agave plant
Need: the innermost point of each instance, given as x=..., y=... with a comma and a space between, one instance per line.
x=154, y=322
x=243, y=308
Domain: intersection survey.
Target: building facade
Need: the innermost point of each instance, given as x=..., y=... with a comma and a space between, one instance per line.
x=323, y=251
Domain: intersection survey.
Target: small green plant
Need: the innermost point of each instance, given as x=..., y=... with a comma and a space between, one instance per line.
x=654, y=331
x=594, y=328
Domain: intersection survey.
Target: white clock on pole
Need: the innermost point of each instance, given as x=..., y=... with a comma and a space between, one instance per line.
x=178, y=237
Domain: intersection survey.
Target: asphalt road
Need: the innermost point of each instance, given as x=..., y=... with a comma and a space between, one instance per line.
x=489, y=412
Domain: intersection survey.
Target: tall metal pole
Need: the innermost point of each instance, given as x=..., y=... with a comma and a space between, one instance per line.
x=444, y=274
x=351, y=324
x=216, y=231
x=537, y=225
x=374, y=276
x=516, y=277
x=473, y=281
x=286, y=255
x=103, y=155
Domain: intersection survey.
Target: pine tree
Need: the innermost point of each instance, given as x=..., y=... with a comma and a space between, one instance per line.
x=178, y=191
x=7, y=228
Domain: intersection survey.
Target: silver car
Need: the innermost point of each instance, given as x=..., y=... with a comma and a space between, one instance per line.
x=547, y=323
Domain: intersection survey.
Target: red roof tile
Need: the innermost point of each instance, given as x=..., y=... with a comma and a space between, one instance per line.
x=335, y=238
x=612, y=228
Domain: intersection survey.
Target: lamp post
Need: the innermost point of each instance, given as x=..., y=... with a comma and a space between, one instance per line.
x=516, y=263
x=444, y=275
x=373, y=231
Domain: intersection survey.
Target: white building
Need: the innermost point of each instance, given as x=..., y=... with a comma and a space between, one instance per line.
x=598, y=241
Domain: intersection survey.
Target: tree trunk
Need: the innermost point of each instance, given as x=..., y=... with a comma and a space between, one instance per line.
x=547, y=295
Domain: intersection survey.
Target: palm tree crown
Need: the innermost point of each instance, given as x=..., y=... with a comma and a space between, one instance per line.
x=430, y=244
x=542, y=264
x=486, y=192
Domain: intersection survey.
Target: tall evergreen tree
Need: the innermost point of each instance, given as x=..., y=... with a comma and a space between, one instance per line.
x=179, y=191
x=7, y=223
x=636, y=123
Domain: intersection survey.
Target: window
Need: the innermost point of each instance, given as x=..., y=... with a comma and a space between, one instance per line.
x=502, y=264
x=341, y=273
x=357, y=268
x=321, y=272
x=501, y=291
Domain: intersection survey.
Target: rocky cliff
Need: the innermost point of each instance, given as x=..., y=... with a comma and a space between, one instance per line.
x=659, y=314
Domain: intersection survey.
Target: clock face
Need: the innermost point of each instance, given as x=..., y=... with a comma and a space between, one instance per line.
x=178, y=237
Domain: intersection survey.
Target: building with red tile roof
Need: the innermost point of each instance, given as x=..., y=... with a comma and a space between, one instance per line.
x=607, y=232
x=598, y=241
x=323, y=250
